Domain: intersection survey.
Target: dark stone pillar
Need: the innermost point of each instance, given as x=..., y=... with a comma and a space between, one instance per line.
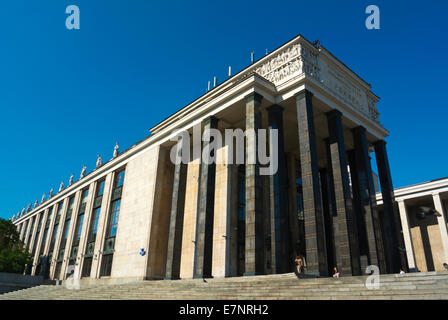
x=358, y=210
x=312, y=201
x=294, y=227
x=176, y=217
x=254, y=243
x=346, y=242
x=394, y=239
x=327, y=202
x=278, y=199
x=367, y=198
x=204, y=220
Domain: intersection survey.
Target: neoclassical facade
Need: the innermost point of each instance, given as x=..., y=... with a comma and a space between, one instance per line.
x=143, y=216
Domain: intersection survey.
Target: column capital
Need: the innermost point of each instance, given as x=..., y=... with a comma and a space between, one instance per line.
x=275, y=108
x=380, y=142
x=333, y=114
x=254, y=96
x=359, y=129
x=304, y=93
x=211, y=120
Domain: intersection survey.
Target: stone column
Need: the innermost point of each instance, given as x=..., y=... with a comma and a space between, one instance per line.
x=442, y=223
x=329, y=212
x=363, y=182
x=407, y=236
x=278, y=197
x=344, y=224
x=206, y=198
x=295, y=226
x=312, y=199
x=177, y=216
x=222, y=224
x=254, y=251
x=395, y=257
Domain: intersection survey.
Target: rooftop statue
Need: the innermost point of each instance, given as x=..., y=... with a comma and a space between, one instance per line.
x=51, y=193
x=61, y=186
x=116, y=151
x=83, y=172
x=36, y=203
x=99, y=162
x=43, y=198
x=28, y=208
x=70, y=182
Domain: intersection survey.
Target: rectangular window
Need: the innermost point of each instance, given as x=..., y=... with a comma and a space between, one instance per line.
x=96, y=218
x=100, y=188
x=106, y=265
x=79, y=227
x=119, y=179
x=71, y=203
x=85, y=193
x=67, y=227
x=114, y=218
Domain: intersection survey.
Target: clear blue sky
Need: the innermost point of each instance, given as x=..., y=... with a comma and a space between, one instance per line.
x=67, y=95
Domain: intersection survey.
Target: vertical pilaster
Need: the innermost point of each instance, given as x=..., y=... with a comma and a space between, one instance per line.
x=395, y=257
x=278, y=196
x=441, y=222
x=206, y=198
x=407, y=236
x=254, y=242
x=367, y=199
x=174, y=251
x=312, y=200
x=346, y=242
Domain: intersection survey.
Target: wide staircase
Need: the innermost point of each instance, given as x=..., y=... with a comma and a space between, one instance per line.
x=429, y=285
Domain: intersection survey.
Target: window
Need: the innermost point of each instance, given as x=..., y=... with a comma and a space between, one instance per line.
x=55, y=234
x=96, y=218
x=71, y=203
x=85, y=193
x=107, y=265
x=119, y=179
x=100, y=188
x=79, y=227
x=67, y=227
x=114, y=218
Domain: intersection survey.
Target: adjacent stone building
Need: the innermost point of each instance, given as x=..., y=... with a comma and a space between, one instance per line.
x=425, y=238
x=142, y=216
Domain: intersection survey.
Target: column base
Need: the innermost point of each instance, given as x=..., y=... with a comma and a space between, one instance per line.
x=250, y=274
x=199, y=276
